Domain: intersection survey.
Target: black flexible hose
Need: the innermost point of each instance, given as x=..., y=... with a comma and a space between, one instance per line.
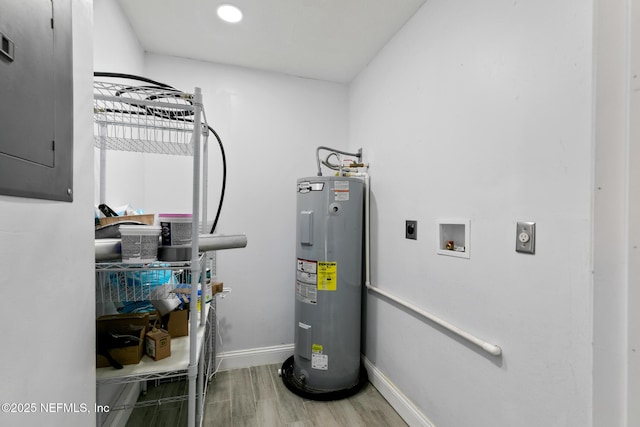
x=224, y=179
x=132, y=77
x=152, y=111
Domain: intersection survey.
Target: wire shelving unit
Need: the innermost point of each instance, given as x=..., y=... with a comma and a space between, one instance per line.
x=153, y=119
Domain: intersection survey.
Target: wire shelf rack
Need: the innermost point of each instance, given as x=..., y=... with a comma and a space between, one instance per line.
x=159, y=120
x=118, y=282
x=143, y=119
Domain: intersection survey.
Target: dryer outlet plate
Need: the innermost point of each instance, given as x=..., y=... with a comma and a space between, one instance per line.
x=526, y=237
x=411, y=230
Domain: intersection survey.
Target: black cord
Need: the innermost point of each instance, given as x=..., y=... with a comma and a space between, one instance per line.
x=163, y=91
x=132, y=77
x=171, y=92
x=224, y=180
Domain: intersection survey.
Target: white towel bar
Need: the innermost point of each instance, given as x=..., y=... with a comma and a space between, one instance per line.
x=492, y=349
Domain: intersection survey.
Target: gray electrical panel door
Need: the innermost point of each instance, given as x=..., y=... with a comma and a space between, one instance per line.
x=36, y=99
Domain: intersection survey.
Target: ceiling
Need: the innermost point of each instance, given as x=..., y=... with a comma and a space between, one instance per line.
x=329, y=40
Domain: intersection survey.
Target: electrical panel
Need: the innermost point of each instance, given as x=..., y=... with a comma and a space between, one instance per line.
x=36, y=102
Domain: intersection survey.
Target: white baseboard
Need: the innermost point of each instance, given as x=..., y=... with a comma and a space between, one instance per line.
x=403, y=406
x=254, y=357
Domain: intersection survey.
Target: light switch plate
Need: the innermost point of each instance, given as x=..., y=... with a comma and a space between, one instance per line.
x=526, y=237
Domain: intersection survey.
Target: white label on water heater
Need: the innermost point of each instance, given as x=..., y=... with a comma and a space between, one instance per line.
x=307, y=266
x=320, y=361
x=306, y=293
x=341, y=190
x=306, y=281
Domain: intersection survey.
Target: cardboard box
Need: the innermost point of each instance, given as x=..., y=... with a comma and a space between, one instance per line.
x=176, y=322
x=120, y=337
x=144, y=219
x=158, y=344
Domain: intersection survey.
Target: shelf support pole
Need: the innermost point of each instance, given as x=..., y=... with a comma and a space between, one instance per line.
x=103, y=161
x=195, y=264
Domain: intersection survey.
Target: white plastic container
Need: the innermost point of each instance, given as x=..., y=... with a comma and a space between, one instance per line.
x=163, y=299
x=139, y=243
x=176, y=229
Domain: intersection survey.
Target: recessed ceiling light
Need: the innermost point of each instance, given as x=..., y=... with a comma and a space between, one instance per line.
x=229, y=13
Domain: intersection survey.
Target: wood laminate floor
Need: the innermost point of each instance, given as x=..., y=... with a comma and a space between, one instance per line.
x=256, y=397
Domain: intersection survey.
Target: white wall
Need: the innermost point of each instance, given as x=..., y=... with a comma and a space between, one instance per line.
x=117, y=50
x=633, y=242
x=483, y=111
x=610, y=214
x=116, y=46
x=270, y=125
x=46, y=258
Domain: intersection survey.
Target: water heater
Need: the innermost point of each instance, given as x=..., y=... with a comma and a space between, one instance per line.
x=328, y=276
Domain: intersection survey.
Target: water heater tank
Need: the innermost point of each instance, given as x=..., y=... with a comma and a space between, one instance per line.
x=328, y=277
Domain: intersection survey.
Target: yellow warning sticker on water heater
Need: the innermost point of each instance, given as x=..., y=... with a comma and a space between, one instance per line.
x=327, y=276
